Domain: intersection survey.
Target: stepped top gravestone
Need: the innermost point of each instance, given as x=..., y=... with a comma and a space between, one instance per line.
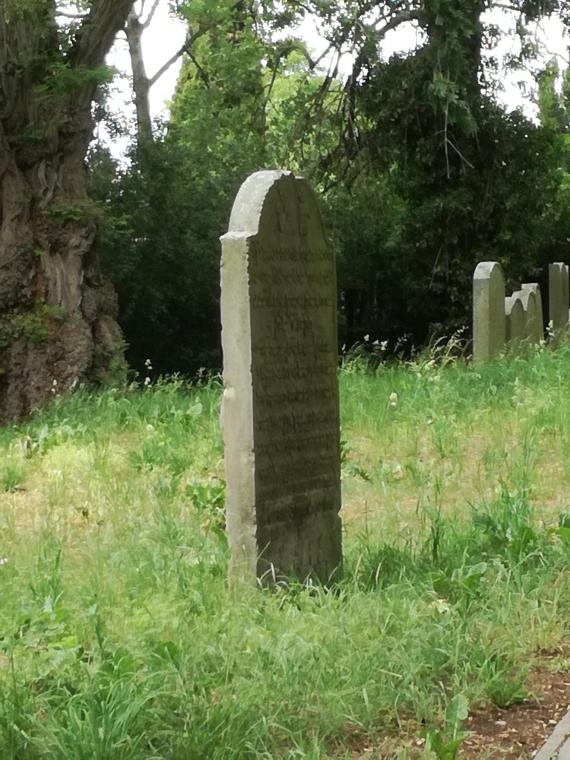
x=516, y=322
x=535, y=323
x=558, y=296
x=280, y=404
x=489, y=323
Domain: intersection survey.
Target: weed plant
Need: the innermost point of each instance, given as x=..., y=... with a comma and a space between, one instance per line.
x=119, y=637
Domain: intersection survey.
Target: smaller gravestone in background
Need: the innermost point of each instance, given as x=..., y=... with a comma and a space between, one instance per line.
x=528, y=298
x=489, y=322
x=515, y=323
x=558, y=300
x=535, y=327
x=280, y=403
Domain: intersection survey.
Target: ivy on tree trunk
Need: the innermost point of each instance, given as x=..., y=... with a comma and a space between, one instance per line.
x=57, y=313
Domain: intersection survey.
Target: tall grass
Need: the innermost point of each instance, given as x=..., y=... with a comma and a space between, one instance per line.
x=119, y=637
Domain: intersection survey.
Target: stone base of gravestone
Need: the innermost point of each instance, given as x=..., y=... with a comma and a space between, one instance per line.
x=280, y=402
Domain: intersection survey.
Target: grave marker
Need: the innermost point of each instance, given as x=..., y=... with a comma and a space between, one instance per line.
x=528, y=298
x=489, y=322
x=515, y=323
x=535, y=326
x=280, y=402
x=558, y=300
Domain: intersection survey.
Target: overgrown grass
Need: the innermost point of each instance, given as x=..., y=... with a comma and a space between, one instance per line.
x=119, y=637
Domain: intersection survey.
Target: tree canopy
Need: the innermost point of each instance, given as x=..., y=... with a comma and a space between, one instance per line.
x=421, y=170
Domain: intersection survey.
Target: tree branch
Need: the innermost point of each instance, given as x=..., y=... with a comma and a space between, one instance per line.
x=190, y=40
x=71, y=15
x=97, y=32
x=505, y=7
x=203, y=74
x=151, y=13
x=164, y=68
x=394, y=22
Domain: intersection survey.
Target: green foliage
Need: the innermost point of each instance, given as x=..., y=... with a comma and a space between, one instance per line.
x=11, y=477
x=553, y=109
x=17, y=9
x=36, y=324
x=446, y=745
x=73, y=213
x=160, y=239
x=427, y=205
x=421, y=175
x=159, y=244
x=63, y=79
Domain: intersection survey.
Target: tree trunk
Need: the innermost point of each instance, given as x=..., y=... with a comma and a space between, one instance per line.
x=57, y=313
x=141, y=83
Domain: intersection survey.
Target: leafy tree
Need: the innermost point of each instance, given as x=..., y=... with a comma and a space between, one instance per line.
x=165, y=214
x=554, y=111
x=422, y=174
x=439, y=177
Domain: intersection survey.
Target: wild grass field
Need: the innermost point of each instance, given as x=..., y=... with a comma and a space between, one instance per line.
x=119, y=637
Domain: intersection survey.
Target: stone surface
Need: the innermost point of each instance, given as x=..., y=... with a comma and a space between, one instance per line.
x=558, y=300
x=528, y=298
x=489, y=321
x=515, y=323
x=280, y=403
x=535, y=326
x=558, y=745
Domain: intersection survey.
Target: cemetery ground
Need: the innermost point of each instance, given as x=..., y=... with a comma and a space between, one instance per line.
x=119, y=636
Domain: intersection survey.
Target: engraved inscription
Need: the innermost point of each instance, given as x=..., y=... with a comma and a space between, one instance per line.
x=294, y=373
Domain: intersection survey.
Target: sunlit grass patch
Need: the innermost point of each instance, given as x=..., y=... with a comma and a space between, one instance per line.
x=119, y=636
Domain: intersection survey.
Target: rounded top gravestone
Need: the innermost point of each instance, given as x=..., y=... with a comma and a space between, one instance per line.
x=528, y=298
x=558, y=296
x=535, y=327
x=516, y=322
x=280, y=404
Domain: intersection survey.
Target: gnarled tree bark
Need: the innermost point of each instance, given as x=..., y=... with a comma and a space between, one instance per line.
x=57, y=313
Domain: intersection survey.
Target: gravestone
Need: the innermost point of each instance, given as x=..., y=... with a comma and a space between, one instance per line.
x=515, y=323
x=528, y=298
x=558, y=301
x=489, y=322
x=535, y=327
x=280, y=406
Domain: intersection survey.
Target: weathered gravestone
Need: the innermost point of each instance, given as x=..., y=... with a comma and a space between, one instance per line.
x=280, y=404
x=558, y=296
x=528, y=298
x=535, y=322
x=489, y=322
x=515, y=323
